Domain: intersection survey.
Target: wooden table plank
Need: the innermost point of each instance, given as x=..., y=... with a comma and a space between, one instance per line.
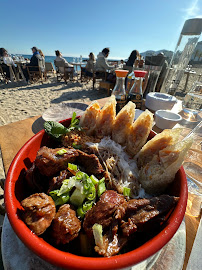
x=12, y=138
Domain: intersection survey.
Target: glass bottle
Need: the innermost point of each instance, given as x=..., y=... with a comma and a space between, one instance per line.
x=135, y=94
x=119, y=89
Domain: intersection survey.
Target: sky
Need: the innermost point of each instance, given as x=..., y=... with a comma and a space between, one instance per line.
x=78, y=27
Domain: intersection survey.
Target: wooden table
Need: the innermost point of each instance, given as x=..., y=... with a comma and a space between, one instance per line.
x=14, y=135
x=20, y=72
x=78, y=64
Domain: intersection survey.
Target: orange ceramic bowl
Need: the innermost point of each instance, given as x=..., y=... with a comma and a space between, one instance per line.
x=14, y=191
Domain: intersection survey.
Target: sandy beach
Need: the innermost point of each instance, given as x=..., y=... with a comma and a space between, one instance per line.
x=19, y=101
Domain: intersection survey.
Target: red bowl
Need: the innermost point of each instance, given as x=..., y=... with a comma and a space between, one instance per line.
x=14, y=194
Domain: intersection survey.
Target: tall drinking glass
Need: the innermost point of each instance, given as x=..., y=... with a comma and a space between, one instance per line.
x=192, y=104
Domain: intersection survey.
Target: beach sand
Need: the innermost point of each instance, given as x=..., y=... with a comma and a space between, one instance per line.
x=19, y=101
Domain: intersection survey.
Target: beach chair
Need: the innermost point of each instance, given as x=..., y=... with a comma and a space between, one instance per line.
x=98, y=76
x=2, y=74
x=84, y=77
x=49, y=68
x=35, y=73
x=63, y=72
x=4, y=70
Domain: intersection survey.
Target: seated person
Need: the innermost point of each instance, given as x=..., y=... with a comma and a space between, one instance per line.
x=101, y=66
x=59, y=58
x=34, y=63
x=42, y=62
x=131, y=61
x=88, y=70
x=7, y=60
x=133, y=56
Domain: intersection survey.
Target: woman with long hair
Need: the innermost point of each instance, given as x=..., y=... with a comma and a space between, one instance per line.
x=133, y=56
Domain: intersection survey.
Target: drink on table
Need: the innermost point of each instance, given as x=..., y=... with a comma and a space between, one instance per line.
x=135, y=95
x=192, y=103
x=119, y=89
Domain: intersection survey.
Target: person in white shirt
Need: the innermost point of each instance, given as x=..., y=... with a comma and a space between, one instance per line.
x=103, y=69
x=7, y=61
x=60, y=58
x=101, y=62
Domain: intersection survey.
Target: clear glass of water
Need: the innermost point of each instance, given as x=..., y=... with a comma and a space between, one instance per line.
x=192, y=103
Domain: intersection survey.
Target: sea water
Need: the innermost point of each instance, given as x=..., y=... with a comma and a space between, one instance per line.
x=52, y=58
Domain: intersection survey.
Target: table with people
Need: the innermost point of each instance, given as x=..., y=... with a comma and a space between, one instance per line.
x=18, y=68
x=95, y=68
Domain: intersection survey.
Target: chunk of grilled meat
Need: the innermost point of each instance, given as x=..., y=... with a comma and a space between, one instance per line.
x=65, y=226
x=120, y=219
x=39, y=211
x=56, y=182
x=113, y=241
x=35, y=180
x=102, y=212
x=49, y=162
x=90, y=162
x=134, y=214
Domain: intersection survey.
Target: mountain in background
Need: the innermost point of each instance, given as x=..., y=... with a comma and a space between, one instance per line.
x=167, y=53
x=196, y=56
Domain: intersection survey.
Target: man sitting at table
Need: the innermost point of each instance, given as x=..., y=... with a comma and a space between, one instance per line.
x=101, y=66
x=68, y=66
x=35, y=63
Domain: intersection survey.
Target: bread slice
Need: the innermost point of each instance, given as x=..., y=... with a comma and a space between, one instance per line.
x=139, y=132
x=123, y=122
x=160, y=171
x=160, y=141
x=106, y=117
x=88, y=119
